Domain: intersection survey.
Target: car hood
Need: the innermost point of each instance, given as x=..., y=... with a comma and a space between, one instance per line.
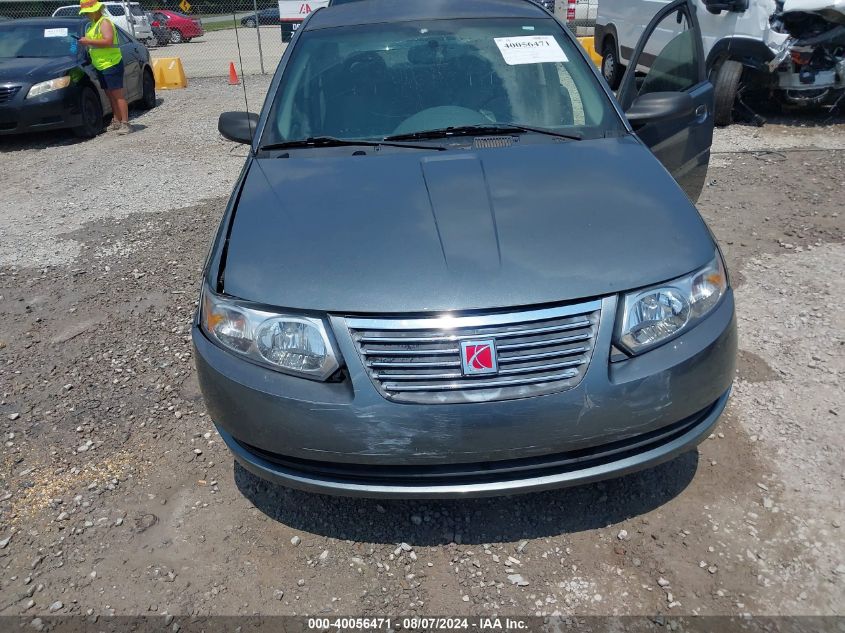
x=34, y=69
x=460, y=230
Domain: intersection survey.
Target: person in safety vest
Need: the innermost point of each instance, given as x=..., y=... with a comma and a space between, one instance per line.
x=101, y=40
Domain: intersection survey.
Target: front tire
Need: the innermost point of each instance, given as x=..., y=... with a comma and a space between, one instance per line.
x=176, y=37
x=726, y=86
x=611, y=69
x=250, y=23
x=148, y=92
x=92, y=114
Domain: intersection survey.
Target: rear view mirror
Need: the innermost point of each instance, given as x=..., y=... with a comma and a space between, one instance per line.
x=655, y=107
x=238, y=126
x=734, y=6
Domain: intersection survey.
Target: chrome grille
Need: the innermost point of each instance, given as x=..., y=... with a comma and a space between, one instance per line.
x=7, y=92
x=419, y=360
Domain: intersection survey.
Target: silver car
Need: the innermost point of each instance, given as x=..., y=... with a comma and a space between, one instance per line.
x=454, y=264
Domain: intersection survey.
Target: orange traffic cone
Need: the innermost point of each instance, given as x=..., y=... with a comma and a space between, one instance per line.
x=233, y=75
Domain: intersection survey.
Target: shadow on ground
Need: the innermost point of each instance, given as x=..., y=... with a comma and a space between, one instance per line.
x=774, y=113
x=471, y=521
x=64, y=137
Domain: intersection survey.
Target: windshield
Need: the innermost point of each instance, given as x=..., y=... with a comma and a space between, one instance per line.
x=378, y=80
x=36, y=40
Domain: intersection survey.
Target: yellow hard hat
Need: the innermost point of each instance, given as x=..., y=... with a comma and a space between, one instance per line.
x=89, y=6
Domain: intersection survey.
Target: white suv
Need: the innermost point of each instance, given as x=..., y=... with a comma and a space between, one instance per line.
x=135, y=24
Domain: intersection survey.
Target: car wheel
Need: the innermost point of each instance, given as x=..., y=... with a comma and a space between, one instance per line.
x=176, y=36
x=611, y=69
x=148, y=93
x=726, y=87
x=250, y=23
x=92, y=114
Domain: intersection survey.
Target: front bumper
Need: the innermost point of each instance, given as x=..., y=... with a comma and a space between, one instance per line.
x=52, y=111
x=345, y=438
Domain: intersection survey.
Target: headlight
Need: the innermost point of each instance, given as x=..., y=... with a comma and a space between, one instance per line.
x=48, y=86
x=293, y=344
x=654, y=316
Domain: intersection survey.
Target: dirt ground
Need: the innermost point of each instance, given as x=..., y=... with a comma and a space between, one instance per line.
x=118, y=497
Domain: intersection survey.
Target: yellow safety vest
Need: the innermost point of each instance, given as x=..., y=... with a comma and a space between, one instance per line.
x=103, y=58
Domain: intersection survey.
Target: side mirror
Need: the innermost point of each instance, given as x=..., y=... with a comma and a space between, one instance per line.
x=655, y=107
x=238, y=126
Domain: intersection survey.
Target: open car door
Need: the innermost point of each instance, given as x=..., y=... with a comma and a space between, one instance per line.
x=667, y=96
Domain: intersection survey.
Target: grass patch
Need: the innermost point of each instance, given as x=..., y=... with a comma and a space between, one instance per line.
x=218, y=26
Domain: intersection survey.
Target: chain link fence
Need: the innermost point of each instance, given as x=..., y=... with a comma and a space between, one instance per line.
x=579, y=15
x=208, y=35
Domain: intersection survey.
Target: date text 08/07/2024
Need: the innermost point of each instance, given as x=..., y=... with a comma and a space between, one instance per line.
x=419, y=624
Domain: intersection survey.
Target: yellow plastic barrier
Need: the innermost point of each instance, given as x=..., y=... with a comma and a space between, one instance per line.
x=169, y=73
x=589, y=44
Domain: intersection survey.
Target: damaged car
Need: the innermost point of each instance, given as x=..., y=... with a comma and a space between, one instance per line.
x=785, y=51
x=810, y=63
x=455, y=265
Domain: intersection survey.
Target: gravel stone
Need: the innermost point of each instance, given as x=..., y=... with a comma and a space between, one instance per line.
x=517, y=580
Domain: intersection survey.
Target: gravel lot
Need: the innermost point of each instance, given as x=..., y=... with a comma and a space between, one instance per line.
x=117, y=496
x=210, y=55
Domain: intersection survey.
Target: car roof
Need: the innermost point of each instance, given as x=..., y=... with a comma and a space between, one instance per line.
x=48, y=21
x=380, y=11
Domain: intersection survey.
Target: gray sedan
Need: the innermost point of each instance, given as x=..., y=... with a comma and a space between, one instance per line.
x=454, y=264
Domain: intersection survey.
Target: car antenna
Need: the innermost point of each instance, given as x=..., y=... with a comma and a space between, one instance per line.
x=243, y=77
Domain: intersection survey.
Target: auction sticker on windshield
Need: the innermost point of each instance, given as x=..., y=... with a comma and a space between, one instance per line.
x=55, y=32
x=531, y=49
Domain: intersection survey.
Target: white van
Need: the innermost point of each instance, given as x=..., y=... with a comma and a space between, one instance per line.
x=136, y=23
x=791, y=49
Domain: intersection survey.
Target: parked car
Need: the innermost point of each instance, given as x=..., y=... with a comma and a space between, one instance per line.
x=183, y=28
x=135, y=23
x=161, y=33
x=264, y=16
x=47, y=81
x=791, y=51
x=451, y=266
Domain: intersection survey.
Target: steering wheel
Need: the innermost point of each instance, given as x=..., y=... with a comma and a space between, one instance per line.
x=365, y=60
x=440, y=117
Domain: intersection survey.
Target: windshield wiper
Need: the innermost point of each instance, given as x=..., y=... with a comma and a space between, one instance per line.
x=331, y=141
x=479, y=130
